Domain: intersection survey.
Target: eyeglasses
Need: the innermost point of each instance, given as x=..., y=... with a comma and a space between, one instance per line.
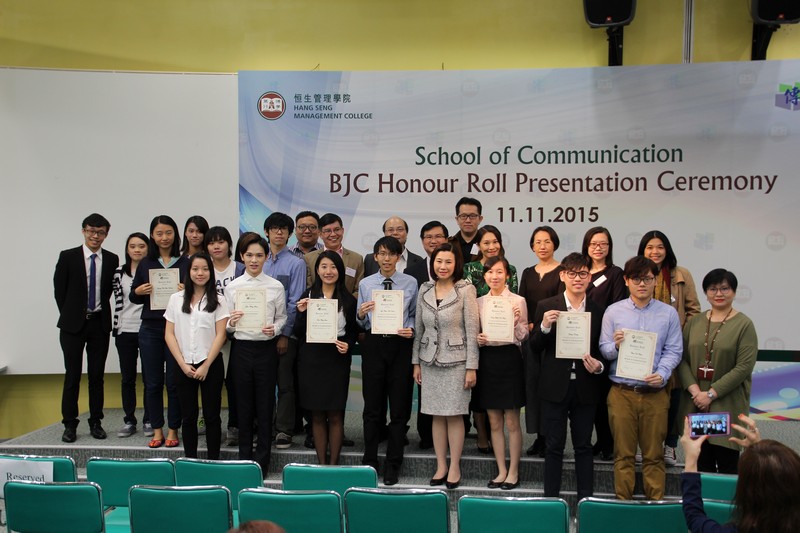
x=571, y=274
x=598, y=245
x=383, y=255
x=306, y=227
x=279, y=230
x=647, y=281
x=437, y=237
x=328, y=231
x=468, y=216
x=721, y=290
x=95, y=232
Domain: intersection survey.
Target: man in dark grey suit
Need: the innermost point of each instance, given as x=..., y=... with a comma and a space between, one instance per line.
x=82, y=286
x=398, y=228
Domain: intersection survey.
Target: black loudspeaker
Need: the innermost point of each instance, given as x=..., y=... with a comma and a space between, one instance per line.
x=609, y=13
x=775, y=11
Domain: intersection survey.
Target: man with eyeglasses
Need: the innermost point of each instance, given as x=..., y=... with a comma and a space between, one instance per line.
x=332, y=231
x=290, y=270
x=469, y=218
x=637, y=408
x=569, y=389
x=307, y=233
x=82, y=286
x=398, y=228
x=386, y=358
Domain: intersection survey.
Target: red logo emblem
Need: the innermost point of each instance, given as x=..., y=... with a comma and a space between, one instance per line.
x=271, y=105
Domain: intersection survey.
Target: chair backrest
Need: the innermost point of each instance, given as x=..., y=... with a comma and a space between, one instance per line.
x=396, y=510
x=718, y=486
x=597, y=515
x=117, y=476
x=295, y=511
x=204, y=509
x=488, y=514
x=719, y=510
x=235, y=475
x=54, y=507
x=322, y=477
x=64, y=469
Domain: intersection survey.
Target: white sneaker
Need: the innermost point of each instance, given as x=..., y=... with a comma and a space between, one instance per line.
x=283, y=441
x=127, y=430
x=148, y=429
x=670, y=457
x=638, y=457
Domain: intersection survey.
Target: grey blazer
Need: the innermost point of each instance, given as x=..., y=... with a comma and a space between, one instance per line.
x=447, y=334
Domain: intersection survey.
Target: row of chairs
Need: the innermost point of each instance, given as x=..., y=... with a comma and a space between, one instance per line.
x=312, y=497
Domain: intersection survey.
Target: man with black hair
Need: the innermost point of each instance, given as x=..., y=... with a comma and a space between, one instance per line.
x=398, y=228
x=82, y=285
x=468, y=217
x=332, y=231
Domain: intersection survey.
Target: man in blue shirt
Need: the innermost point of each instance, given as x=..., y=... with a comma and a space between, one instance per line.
x=386, y=359
x=638, y=405
x=290, y=270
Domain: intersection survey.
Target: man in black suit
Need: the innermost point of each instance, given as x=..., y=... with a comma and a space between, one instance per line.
x=82, y=283
x=570, y=389
x=398, y=228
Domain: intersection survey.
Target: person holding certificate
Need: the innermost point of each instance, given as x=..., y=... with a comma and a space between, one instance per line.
x=323, y=359
x=445, y=356
x=573, y=376
x=158, y=276
x=386, y=309
x=501, y=381
x=641, y=337
x=195, y=333
x=257, y=304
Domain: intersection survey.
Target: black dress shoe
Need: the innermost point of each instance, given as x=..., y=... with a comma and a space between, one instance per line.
x=348, y=442
x=390, y=477
x=486, y=451
x=97, y=432
x=436, y=481
x=537, y=448
x=509, y=486
x=69, y=435
x=494, y=484
x=606, y=456
x=425, y=445
x=452, y=484
x=309, y=442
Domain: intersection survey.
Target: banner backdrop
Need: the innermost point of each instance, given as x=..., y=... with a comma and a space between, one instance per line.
x=706, y=153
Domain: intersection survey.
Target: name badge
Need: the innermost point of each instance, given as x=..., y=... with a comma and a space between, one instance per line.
x=348, y=271
x=599, y=281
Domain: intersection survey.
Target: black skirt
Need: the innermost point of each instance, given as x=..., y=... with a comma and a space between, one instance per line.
x=324, y=377
x=501, y=381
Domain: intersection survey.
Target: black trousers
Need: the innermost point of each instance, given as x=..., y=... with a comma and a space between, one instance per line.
x=256, y=375
x=424, y=422
x=581, y=419
x=230, y=389
x=211, y=392
x=95, y=341
x=386, y=372
x=718, y=459
x=128, y=351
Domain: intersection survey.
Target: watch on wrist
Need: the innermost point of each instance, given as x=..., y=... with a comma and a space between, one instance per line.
x=711, y=395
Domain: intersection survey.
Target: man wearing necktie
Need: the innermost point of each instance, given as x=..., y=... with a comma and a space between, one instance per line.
x=386, y=358
x=82, y=286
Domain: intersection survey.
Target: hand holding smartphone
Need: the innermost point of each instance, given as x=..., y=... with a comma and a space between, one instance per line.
x=711, y=424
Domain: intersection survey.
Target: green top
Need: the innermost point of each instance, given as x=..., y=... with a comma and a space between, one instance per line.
x=733, y=360
x=473, y=272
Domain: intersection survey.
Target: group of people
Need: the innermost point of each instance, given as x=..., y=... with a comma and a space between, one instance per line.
x=443, y=302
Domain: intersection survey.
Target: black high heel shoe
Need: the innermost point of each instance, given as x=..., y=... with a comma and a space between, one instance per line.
x=452, y=484
x=436, y=481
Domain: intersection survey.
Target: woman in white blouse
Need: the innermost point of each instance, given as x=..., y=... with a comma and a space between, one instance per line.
x=195, y=332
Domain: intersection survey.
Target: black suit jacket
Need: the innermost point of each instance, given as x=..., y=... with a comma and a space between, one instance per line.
x=419, y=271
x=371, y=266
x=69, y=283
x=555, y=373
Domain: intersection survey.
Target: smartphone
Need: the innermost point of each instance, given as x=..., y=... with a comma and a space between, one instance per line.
x=712, y=424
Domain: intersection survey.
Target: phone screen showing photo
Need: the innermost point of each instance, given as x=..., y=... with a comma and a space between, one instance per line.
x=712, y=424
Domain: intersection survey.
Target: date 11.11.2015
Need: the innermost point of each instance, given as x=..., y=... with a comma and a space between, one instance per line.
x=540, y=215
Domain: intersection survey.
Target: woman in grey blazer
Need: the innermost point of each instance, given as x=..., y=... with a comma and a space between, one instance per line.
x=445, y=356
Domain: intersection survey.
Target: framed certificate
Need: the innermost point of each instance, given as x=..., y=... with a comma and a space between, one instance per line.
x=323, y=321
x=573, y=334
x=387, y=317
x=165, y=283
x=497, y=319
x=254, y=304
x=636, y=354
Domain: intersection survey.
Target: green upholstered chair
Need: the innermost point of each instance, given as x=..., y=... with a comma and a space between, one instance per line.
x=718, y=486
x=54, y=507
x=719, y=510
x=117, y=476
x=597, y=515
x=203, y=509
x=64, y=469
x=322, y=477
x=296, y=511
x=490, y=514
x=396, y=511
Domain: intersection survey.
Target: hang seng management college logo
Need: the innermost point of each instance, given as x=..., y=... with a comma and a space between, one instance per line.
x=271, y=105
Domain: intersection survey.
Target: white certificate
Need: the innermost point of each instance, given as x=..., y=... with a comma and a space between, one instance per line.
x=497, y=322
x=636, y=354
x=323, y=320
x=573, y=333
x=254, y=304
x=387, y=317
x=165, y=283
